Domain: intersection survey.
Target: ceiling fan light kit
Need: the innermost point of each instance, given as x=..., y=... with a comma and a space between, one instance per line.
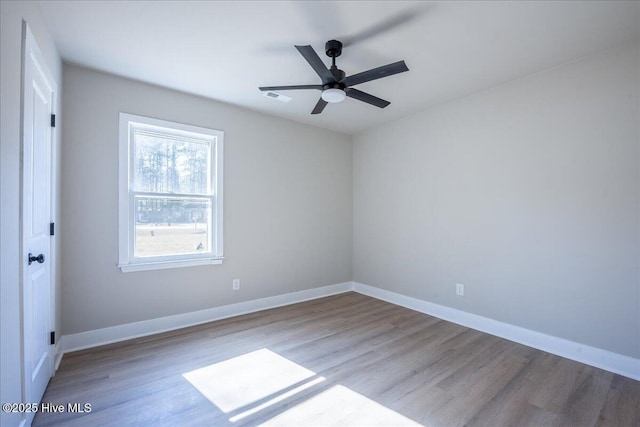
x=336, y=85
x=333, y=95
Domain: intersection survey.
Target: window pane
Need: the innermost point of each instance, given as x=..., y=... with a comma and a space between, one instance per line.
x=166, y=164
x=172, y=226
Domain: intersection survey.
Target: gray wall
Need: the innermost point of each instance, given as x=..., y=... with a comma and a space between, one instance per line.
x=527, y=193
x=11, y=15
x=287, y=206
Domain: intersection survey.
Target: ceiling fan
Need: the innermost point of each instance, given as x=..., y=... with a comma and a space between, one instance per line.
x=336, y=85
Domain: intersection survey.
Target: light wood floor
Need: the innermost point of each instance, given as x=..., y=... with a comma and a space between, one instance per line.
x=342, y=360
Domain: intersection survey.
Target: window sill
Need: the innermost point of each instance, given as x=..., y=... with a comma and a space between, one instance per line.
x=146, y=266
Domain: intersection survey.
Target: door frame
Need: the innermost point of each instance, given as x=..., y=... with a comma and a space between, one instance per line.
x=29, y=44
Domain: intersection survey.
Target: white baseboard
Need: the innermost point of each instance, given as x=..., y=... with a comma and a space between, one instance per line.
x=58, y=353
x=127, y=331
x=603, y=359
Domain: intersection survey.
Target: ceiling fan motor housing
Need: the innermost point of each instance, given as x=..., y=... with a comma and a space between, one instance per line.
x=333, y=48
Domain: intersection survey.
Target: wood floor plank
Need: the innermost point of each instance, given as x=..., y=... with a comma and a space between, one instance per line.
x=621, y=404
x=473, y=391
x=365, y=362
x=561, y=381
x=584, y=404
x=510, y=406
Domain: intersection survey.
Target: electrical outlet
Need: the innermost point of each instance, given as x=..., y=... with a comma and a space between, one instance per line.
x=236, y=284
x=460, y=289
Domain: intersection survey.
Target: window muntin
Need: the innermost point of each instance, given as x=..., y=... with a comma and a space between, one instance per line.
x=170, y=195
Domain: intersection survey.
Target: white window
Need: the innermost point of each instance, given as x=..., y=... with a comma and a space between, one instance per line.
x=170, y=194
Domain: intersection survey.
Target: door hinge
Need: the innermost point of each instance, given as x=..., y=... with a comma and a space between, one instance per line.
x=53, y=120
x=52, y=227
x=53, y=337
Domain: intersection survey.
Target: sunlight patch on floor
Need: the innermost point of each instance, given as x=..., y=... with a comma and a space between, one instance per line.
x=254, y=382
x=277, y=399
x=242, y=380
x=340, y=406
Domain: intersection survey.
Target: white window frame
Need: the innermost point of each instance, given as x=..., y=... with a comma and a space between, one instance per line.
x=126, y=229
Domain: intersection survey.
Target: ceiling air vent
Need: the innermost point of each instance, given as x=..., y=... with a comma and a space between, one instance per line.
x=275, y=95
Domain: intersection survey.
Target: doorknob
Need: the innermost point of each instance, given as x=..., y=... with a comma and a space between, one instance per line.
x=39, y=258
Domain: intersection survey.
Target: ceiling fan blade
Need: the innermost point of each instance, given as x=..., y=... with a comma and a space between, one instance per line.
x=265, y=88
x=387, y=24
x=319, y=106
x=375, y=73
x=365, y=97
x=316, y=63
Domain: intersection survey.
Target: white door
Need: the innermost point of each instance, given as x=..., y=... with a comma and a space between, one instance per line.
x=39, y=95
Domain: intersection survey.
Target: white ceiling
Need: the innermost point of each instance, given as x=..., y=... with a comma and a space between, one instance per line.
x=225, y=50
